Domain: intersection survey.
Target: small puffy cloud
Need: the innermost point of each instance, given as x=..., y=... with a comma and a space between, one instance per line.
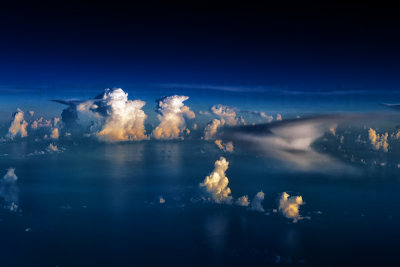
x=256, y=204
x=227, y=147
x=54, y=133
x=378, y=141
x=216, y=184
x=9, y=189
x=278, y=117
x=243, y=201
x=52, y=148
x=290, y=206
x=18, y=125
x=31, y=113
x=172, y=114
x=162, y=200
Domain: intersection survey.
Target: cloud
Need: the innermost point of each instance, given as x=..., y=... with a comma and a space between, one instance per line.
x=256, y=204
x=18, y=125
x=226, y=115
x=31, y=113
x=54, y=133
x=290, y=142
x=216, y=184
x=289, y=206
x=378, y=141
x=243, y=201
x=172, y=114
x=9, y=189
x=278, y=117
x=52, y=148
x=125, y=120
x=227, y=147
x=111, y=117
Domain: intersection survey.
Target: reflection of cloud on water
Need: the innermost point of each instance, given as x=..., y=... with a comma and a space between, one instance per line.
x=216, y=228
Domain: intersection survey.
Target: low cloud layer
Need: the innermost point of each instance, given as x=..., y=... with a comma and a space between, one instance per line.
x=172, y=115
x=290, y=206
x=216, y=184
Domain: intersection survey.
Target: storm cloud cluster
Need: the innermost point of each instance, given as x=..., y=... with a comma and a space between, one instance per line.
x=18, y=125
x=379, y=141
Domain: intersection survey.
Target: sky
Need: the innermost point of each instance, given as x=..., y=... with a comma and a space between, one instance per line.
x=80, y=46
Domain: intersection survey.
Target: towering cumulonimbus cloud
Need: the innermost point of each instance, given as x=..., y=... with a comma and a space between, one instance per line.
x=378, y=141
x=226, y=116
x=290, y=206
x=111, y=117
x=216, y=184
x=125, y=120
x=9, y=189
x=18, y=125
x=172, y=114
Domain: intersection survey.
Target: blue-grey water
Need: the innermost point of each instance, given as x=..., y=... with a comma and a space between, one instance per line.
x=99, y=205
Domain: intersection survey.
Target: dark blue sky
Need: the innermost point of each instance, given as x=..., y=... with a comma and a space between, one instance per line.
x=299, y=46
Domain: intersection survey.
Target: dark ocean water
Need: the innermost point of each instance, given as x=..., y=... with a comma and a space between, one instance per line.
x=99, y=205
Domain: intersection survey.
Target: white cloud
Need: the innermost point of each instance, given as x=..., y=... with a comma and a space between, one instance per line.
x=243, y=201
x=125, y=120
x=9, y=189
x=172, y=114
x=216, y=184
x=31, y=113
x=278, y=117
x=289, y=206
x=256, y=204
x=18, y=125
x=226, y=115
x=211, y=129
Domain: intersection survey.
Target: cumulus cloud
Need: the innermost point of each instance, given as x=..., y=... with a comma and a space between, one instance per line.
x=18, y=125
x=378, y=141
x=256, y=204
x=31, y=113
x=216, y=184
x=290, y=206
x=9, y=189
x=227, y=147
x=110, y=116
x=278, y=117
x=243, y=201
x=52, y=148
x=54, y=133
x=226, y=116
x=172, y=114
